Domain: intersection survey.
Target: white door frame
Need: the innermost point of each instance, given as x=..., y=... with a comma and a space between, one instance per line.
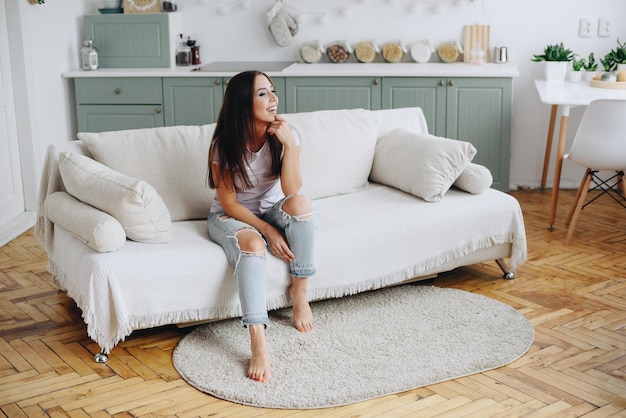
x=19, y=41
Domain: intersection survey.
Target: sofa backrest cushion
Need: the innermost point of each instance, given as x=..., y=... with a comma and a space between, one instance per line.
x=421, y=164
x=172, y=159
x=134, y=203
x=336, y=150
x=407, y=118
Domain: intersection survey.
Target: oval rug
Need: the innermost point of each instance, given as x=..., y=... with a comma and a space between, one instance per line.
x=362, y=347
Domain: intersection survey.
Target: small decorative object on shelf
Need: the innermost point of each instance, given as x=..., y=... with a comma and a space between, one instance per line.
x=89, y=56
x=142, y=6
x=36, y=1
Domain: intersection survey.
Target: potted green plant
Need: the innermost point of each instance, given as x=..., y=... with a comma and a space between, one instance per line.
x=575, y=74
x=616, y=58
x=556, y=58
x=591, y=67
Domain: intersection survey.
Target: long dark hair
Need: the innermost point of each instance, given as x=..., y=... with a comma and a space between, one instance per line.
x=234, y=131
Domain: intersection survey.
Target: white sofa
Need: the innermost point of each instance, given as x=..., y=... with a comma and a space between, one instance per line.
x=122, y=218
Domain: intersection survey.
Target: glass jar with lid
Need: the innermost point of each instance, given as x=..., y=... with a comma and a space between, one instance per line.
x=338, y=52
x=311, y=52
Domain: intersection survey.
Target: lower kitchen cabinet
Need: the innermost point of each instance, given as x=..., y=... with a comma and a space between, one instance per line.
x=192, y=101
x=473, y=109
x=477, y=110
x=307, y=94
x=111, y=104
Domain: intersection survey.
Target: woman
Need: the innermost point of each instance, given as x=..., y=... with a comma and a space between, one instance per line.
x=254, y=167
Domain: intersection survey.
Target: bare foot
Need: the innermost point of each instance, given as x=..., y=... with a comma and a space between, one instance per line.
x=259, y=369
x=302, y=314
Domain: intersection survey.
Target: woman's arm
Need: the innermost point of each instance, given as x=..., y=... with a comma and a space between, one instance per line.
x=290, y=177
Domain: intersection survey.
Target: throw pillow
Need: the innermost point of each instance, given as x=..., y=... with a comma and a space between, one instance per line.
x=99, y=230
x=336, y=150
x=173, y=159
x=421, y=164
x=134, y=203
x=474, y=179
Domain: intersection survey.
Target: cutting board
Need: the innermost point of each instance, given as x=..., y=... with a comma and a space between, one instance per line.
x=475, y=35
x=142, y=6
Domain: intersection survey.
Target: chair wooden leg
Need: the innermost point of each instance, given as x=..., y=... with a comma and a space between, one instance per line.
x=578, y=204
x=580, y=188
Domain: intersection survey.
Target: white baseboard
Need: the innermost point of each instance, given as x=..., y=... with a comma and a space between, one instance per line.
x=17, y=226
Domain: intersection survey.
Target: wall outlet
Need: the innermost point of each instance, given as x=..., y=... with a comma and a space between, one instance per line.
x=584, y=29
x=604, y=27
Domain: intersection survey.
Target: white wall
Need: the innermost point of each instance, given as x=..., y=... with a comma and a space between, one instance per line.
x=241, y=34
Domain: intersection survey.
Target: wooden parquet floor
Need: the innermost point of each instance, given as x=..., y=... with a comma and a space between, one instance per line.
x=575, y=297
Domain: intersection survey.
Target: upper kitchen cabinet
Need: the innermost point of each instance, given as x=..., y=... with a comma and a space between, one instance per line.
x=134, y=40
x=307, y=94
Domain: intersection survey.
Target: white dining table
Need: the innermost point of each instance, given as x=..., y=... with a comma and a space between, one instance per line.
x=564, y=96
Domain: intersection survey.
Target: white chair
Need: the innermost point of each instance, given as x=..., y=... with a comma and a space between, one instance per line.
x=599, y=145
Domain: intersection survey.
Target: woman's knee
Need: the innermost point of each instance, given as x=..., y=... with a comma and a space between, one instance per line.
x=250, y=241
x=298, y=205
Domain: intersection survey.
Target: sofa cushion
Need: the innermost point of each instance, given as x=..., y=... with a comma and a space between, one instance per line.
x=336, y=151
x=475, y=179
x=99, y=230
x=421, y=164
x=134, y=203
x=172, y=159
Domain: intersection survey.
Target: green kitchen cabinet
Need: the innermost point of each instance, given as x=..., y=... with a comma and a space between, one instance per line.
x=198, y=100
x=473, y=109
x=478, y=110
x=134, y=39
x=427, y=93
x=306, y=94
x=192, y=100
x=113, y=104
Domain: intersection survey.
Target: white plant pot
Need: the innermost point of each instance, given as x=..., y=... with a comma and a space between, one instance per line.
x=621, y=67
x=575, y=76
x=589, y=75
x=556, y=70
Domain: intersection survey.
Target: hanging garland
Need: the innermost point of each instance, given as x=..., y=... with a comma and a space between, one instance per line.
x=344, y=10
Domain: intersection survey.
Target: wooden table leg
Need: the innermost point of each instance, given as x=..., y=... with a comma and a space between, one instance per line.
x=560, y=151
x=546, y=159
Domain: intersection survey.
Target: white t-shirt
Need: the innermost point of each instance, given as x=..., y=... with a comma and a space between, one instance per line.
x=266, y=189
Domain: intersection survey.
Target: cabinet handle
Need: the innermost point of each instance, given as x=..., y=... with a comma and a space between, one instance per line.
x=117, y=91
x=217, y=82
x=376, y=81
x=441, y=83
x=451, y=83
x=158, y=110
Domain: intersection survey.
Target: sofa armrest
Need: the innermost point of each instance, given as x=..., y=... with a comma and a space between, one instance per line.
x=52, y=182
x=99, y=230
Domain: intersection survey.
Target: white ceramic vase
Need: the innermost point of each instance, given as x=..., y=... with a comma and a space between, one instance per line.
x=556, y=70
x=575, y=76
x=589, y=75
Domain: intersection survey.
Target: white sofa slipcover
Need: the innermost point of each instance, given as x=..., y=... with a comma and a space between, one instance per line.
x=369, y=235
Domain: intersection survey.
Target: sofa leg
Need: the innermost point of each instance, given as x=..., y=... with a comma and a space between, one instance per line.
x=508, y=273
x=101, y=357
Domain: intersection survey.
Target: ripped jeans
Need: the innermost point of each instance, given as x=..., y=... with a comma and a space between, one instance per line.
x=250, y=267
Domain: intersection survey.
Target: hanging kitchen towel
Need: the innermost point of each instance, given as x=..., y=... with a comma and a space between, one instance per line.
x=281, y=24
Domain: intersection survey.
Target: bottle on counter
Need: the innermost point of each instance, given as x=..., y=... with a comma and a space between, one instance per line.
x=89, y=55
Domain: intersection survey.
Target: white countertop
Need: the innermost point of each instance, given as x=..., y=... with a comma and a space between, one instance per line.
x=508, y=70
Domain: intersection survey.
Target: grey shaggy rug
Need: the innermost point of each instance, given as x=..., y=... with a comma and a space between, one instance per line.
x=362, y=347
